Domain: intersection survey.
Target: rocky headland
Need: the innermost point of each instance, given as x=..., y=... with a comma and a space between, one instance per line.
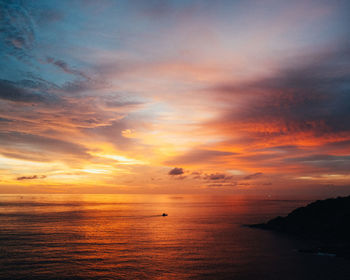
x=325, y=221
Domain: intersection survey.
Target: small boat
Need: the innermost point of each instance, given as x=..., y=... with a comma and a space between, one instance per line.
x=164, y=214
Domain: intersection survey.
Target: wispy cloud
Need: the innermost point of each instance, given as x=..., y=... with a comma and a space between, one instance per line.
x=176, y=171
x=253, y=176
x=238, y=94
x=65, y=67
x=18, y=32
x=31, y=177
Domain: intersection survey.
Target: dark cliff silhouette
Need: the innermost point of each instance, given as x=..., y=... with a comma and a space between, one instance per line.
x=322, y=219
x=326, y=221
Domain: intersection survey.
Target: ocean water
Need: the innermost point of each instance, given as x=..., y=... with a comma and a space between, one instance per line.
x=125, y=237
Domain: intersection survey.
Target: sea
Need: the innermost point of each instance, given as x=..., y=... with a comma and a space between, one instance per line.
x=126, y=237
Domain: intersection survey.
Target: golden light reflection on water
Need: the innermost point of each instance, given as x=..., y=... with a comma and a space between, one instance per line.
x=125, y=236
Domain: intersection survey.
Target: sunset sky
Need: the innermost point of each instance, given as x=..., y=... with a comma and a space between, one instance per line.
x=175, y=96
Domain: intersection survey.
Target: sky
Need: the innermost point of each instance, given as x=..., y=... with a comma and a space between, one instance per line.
x=175, y=96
